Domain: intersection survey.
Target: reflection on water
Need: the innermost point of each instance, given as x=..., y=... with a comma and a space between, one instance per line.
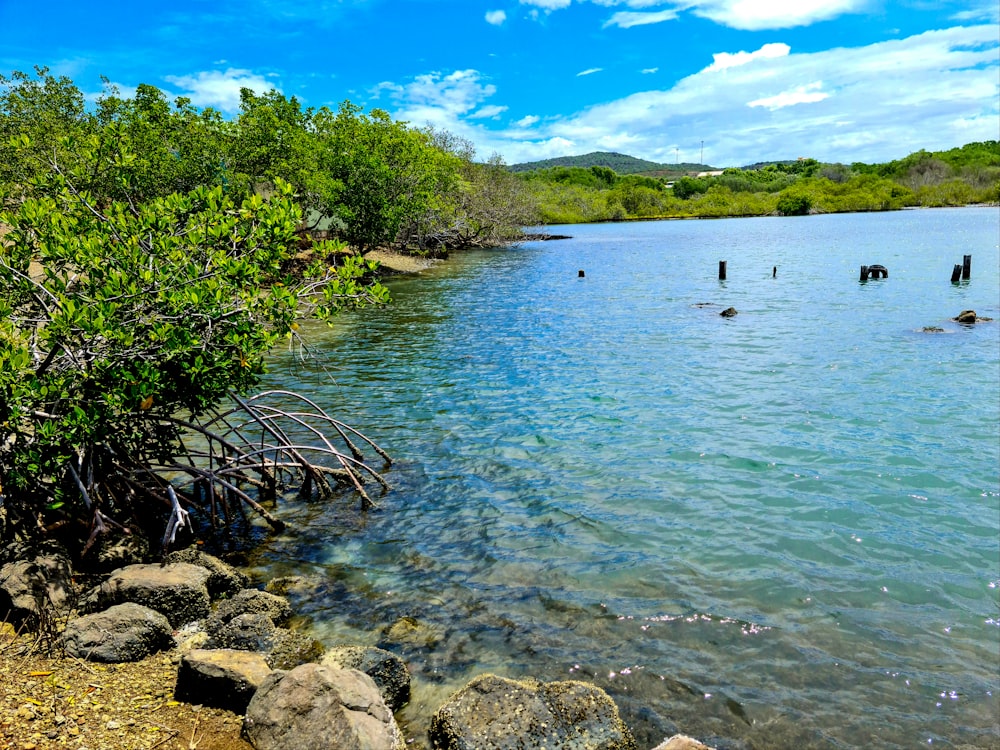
x=775, y=530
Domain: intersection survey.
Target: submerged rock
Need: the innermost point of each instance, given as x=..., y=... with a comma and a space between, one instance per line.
x=729, y=312
x=496, y=712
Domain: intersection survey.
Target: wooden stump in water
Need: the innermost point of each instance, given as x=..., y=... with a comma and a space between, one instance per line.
x=956, y=273
x=722, y=270
x=966, y=267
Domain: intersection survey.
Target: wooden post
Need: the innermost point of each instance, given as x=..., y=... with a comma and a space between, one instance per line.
x=722, y=270
x=581, y=274
x=774, y=272
x=864, y=273
x=966, y=267
x=956, y=273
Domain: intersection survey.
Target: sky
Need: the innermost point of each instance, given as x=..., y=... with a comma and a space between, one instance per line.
x=720, y=82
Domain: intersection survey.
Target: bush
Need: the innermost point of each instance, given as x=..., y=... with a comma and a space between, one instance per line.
x=794, y=205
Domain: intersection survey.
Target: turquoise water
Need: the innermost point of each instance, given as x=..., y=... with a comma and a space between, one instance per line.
x=778, y=530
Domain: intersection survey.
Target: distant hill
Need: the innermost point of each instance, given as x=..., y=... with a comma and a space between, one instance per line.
x=621, y=163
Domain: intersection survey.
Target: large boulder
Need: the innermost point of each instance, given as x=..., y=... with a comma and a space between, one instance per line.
x=33, y=586
x=177, y=591
x=386, y=669
x=220, y=678
x=314, y=707
x=502, y=714
x=224, y=580
x=124, y=632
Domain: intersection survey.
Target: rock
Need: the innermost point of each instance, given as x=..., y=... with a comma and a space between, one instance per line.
x=220, y=678
x=225, y=581
x=966, y=316
x=386, y=669
x=250, y=602
x=497, y=712
x=681, y=742
x=116, y=551
x=177, y=591
x=315, y=707
x=246, y=632
x=23, y=598
x=124, y=632
x=410, y=632
x=729, y=312
x=293, y=649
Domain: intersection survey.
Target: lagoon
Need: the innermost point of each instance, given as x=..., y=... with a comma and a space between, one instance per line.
x=778, y=530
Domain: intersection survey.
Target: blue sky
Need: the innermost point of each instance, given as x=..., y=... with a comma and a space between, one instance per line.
x=737, y=80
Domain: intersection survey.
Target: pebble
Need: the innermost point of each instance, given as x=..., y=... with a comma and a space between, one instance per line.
x=113, y=725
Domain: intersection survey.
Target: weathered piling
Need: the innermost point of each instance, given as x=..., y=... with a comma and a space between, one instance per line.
x=774, y=272
x=966, y=267
x=956, y=273
x=581, y=274
x=722, y=270
x=864, y=273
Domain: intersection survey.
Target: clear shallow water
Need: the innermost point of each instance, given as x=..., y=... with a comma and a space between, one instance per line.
x=778, y=530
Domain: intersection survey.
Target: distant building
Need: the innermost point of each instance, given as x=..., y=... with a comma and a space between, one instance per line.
x=713, y=173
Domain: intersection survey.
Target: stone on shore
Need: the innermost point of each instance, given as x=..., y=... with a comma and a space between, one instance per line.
x=682, y=742
x=124, y=632
x=224, y=580
x=386, y=669
x=177, y=591
x=500, y=713
x=314, y=707
x=220, y=678
x=250, y=602
x=29, y=589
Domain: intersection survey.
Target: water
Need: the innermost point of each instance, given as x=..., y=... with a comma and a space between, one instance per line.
x=778, y=530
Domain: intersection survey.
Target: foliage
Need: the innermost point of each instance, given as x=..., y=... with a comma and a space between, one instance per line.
x=792, y=204
x=620, y=163
x=138, y=322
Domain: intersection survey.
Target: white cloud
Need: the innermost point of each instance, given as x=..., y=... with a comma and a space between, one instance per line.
x=723, y=60
x=627, y=19
x=799, y=95
x=496, y=17
x=749, y=15
x=491, y=111
x=589, y=72
x=755, y=15
x=871, y=103
x=649, y=71
x=221, y=90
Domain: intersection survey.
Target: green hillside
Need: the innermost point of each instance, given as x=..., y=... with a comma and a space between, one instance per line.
x=620, y=163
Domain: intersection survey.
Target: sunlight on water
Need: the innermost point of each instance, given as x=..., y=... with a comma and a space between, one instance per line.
x=778, y=529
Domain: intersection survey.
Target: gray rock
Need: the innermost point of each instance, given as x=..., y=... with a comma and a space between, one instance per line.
x=124, y=632
x=246, y=632
x=177, y=591
x=31, y=588
x=225, y=581
x=114, y=551
x=386, y=669
x=220, y=678
x=681, y=742
x=250, y=602
x=313, y=707
x=294, y=648
x=504, y=714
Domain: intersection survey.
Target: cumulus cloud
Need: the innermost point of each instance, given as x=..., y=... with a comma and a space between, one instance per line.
x=877, y=102
x=723, y=60
x=589, y=72
x=221, y=90
x=496, y=17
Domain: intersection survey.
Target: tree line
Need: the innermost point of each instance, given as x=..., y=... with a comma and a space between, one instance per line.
x=960, y=176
